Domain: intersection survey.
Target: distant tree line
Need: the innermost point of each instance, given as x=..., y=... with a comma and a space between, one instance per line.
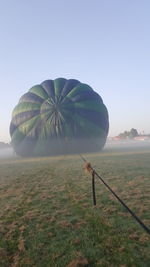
x=129, y=134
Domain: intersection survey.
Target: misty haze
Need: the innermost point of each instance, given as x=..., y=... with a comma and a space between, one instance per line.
x=75, y=133
x=111, y=146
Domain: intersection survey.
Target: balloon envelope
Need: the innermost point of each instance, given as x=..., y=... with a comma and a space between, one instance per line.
x=57, y=117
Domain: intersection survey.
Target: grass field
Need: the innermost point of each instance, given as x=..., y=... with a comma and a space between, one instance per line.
x=47, y=217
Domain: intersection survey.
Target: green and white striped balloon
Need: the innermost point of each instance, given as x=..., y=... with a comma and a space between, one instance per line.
x=59, y=116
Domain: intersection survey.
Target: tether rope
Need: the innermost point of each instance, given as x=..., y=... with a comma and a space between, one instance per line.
x=94, y=173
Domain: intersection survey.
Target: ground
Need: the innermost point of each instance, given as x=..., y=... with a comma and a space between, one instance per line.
x=47, y=217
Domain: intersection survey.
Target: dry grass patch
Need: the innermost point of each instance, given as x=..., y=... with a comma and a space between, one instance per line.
x=47, y=213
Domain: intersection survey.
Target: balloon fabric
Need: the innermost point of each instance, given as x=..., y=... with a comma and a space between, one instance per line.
x=57, y=117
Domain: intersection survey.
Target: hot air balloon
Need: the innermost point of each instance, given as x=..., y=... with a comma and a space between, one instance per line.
x=57, y=117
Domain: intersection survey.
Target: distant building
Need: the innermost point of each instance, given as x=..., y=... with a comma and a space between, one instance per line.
x=117, y=138
x=141, y=138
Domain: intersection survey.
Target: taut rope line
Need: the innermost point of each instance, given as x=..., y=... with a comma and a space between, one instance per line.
x=89, y=168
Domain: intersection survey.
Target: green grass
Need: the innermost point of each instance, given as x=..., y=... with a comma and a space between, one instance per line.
x=47, y=217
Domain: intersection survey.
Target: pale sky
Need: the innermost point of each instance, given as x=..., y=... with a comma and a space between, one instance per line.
x=104, y=43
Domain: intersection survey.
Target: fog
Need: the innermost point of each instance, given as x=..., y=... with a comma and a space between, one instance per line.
x=125, y=145
x=110, y=146
x=7, y=153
